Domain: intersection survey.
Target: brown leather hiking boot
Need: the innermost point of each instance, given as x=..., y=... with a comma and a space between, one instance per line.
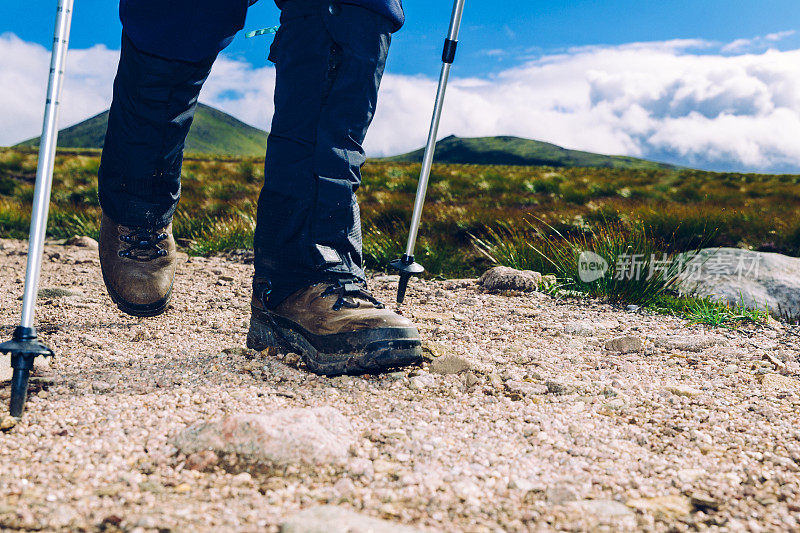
x=138, y=266
x=337, y=328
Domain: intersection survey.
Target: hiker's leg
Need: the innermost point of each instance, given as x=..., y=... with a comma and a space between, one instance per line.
x=329, y=60
x=167, y=52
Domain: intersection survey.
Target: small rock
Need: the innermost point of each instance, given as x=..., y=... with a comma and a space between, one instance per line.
x=779, y=383
x=560, y=494
x=525, y=388
x=704, y=502
x=422, y=381
x=632, y=308
x=730, y=370
x=101, y=387
x=82, y=241
x=596, y=513
x=202, y=460
x=612, y=406
x=361, y=467
x=7, y=423
x=580, y=328
x=625, y=344
x=332, y=519
x=684, y=390
x=690, y=475
x=304, y=436
x=509, y=279
x=690, y=343
x=662, y=507
x=183, y=488
x=556, y=387
x=344, y=487
x=470, y=380
x=450, y=364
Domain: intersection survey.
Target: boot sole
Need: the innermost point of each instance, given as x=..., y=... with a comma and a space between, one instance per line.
x=365, y=352
x=139, y=310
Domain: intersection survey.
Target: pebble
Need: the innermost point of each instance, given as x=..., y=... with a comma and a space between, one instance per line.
x=301, y=436
x=7, y=423
x=662, y=507
x=331, y=519
x=625, y=344
x=422, y=381
x=684, y=390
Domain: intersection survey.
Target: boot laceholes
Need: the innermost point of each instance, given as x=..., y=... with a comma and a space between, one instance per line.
x=346, y=293
x=143, y=244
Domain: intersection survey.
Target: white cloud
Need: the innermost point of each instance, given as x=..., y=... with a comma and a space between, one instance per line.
x=687, y=101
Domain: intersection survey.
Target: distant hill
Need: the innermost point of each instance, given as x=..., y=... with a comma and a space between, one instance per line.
x=518, y=151
x=212, y=132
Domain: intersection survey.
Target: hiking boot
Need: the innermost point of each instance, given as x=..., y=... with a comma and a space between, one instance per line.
x=336, y=327
x=138, y=266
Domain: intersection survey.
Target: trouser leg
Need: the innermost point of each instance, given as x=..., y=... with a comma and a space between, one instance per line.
x=155, y=96
x=329, y=60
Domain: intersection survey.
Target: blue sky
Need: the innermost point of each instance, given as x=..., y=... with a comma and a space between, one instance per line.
x=511, y=31
x=707, y=83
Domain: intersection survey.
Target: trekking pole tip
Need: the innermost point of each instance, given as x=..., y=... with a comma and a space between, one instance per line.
x=407, y=268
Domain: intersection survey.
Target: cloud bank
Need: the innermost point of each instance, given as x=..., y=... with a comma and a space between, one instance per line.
x=730, y=106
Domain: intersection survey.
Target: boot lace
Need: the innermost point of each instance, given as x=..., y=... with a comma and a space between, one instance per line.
x=347, y=292
x=143, y=244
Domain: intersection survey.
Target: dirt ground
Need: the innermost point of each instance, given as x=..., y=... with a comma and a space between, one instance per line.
x=535, y=422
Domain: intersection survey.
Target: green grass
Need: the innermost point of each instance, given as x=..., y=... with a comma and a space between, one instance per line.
x=537, y=218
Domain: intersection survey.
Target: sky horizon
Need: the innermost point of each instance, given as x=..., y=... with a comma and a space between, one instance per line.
x=711, y=84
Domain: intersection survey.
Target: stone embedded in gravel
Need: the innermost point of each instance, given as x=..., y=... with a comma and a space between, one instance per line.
x=101, y=387
x=7, y=423
x=663, y=507
x=779, y=383
x=560, y=494
x=302, y=436
x=557, y=387
x=526, y=388
x=594, y=513
x=82, y=241
x=683, y=390
x=509, y=279
x=580, y=328
x=690, y=343
x=202, y=460
x=625, y=344
x=450, y=363
x=332, y=519
x=422, y=381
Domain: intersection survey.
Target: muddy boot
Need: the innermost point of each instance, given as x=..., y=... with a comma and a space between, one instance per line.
x=337, y=328
x=138, y=266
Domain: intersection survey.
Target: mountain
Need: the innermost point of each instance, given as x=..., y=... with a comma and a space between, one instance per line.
x=518, y=151
x=212, y=132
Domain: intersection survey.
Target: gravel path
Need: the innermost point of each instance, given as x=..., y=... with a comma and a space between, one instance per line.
x=528, y=419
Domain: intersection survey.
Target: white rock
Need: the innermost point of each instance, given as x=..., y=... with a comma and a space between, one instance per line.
x=332, y=519
x=309, y=436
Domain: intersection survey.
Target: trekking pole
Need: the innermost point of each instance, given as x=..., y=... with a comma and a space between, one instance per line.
x=406, y=264
x=24, y=346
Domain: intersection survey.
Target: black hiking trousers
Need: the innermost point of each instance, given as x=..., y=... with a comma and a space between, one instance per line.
x=329, y=60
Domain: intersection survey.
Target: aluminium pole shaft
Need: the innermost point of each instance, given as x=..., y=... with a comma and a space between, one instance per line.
x=427, y=161
x=47, y=153
x=406, y=264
